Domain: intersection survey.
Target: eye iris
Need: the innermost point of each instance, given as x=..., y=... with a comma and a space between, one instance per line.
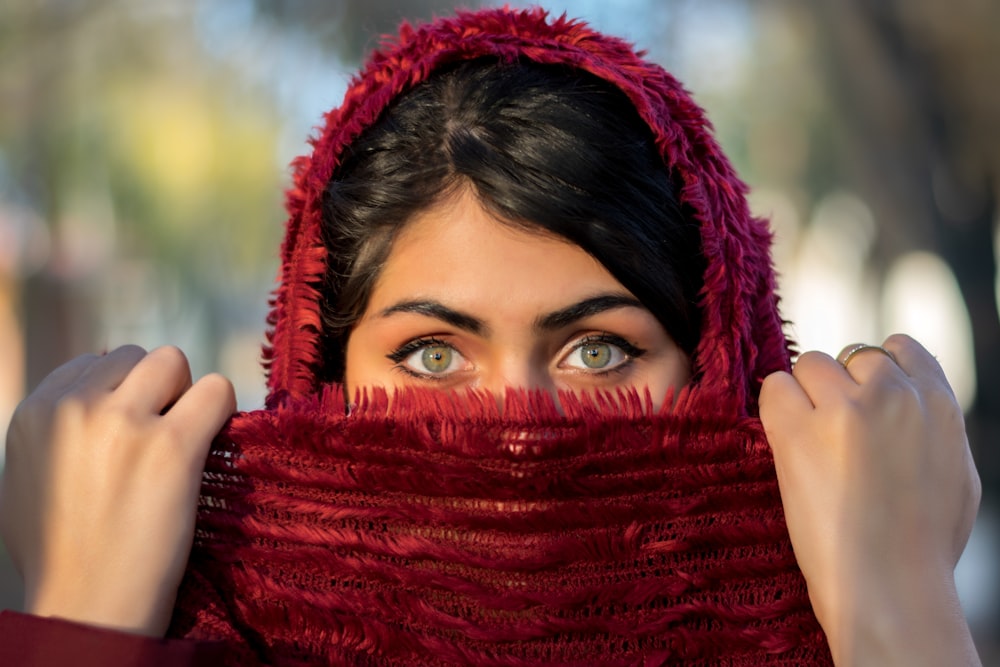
x=436, y=358
x=596, y=355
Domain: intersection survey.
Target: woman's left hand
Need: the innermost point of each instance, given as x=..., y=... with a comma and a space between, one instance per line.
x=880, y=493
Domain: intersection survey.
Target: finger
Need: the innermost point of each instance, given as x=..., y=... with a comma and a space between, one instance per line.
x=158, y=380
x=914, y=359
x=63, y=377
x=203, y=410
x=780, y=393
x=823, y=379
x=869, y=362
x=783, y=403
x=108, y=371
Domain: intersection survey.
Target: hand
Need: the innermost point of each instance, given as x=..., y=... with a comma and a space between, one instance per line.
x=100, y=488
x=880, y=493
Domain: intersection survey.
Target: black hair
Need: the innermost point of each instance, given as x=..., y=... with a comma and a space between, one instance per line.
x=545, y=147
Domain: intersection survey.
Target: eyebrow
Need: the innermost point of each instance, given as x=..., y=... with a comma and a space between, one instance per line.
x=586, y=308
x=555, y=320
x=439, y=311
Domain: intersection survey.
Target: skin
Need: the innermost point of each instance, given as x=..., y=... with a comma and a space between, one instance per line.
x=873, y=464
x=103, y=470
x=495, y=328
x=880, y=493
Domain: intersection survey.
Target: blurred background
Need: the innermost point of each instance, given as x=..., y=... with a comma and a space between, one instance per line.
x=144, y=148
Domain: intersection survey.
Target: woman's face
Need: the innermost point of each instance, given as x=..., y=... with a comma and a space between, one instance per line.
x=466, y=301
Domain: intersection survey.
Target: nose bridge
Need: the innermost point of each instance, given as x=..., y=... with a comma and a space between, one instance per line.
x=518, y=371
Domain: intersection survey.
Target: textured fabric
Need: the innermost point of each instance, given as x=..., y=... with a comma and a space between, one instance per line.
x=443, y=530
x=34, y=641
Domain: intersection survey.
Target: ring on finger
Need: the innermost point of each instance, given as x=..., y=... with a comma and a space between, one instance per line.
x=854, y=350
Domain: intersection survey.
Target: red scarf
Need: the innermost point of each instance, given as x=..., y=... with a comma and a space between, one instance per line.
x=441, y=532
x=438, y=531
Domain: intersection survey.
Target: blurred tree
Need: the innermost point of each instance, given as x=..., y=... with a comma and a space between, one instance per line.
x=918, y=95
x=150, y=162
x=350, y=28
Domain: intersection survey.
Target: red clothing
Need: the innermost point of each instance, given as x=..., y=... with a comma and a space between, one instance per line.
x=34, y=641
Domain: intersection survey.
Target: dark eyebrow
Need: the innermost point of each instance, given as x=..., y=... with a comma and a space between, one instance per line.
x=550, y=322
x=441, y=312
x=592, y=306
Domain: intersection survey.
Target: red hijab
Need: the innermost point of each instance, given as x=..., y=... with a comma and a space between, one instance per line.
x=434, y=530
x=742, y=340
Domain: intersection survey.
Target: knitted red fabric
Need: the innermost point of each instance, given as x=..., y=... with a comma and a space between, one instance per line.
x=442, y=530
x=433, y=530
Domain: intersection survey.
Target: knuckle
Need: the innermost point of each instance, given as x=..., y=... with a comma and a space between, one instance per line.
x=218, y=383
x=901, y=344
x=219, y=388
x=70, y=407
x=87, y=358
x=172, y=357
x=772, y=390
x=847, y=348
x=810, y=357
x=808, y=361
x=901, y=339
x=132, y=352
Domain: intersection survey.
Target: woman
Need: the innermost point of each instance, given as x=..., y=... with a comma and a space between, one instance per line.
x=486, y=211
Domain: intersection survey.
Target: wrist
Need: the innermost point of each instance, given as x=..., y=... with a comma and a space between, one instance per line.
x=140, y=615
x=920, y=624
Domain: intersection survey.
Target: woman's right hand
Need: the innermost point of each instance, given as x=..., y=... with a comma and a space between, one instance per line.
x=100, y=487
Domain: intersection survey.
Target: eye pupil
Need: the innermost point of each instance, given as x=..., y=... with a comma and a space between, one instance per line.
x=596, y=355
x=436, y=358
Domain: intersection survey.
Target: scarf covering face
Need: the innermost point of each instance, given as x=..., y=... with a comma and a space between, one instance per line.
x=436, y=529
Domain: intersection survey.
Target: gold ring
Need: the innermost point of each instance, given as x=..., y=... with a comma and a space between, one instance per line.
x=849, y=353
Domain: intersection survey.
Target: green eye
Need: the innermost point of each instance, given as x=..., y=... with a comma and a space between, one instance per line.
x=596, y=355
x=429, y=359
x=436, y=358
x=600, y=354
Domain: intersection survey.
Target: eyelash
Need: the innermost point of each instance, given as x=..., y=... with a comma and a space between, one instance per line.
x=631, y=351
x=398, y=355
x=408, y=348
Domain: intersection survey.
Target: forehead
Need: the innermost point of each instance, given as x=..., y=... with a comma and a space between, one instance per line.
x=456, y=251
